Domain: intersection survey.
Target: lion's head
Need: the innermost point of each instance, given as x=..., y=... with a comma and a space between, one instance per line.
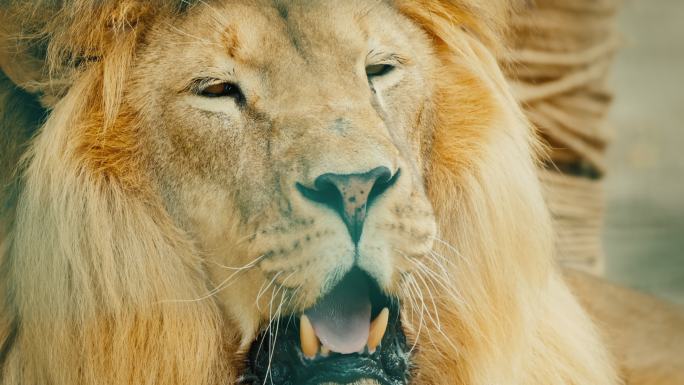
x=285, y=192
x=305, y=162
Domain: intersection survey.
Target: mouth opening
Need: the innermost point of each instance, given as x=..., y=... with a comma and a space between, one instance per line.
x=351, y=334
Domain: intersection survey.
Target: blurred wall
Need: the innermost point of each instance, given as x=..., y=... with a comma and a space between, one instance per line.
x=644, y=234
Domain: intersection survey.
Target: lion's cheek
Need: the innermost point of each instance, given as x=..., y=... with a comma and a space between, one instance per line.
x=237, y=302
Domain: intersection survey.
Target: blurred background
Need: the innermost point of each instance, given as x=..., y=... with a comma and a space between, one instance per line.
x=644, y=225
x=603, y=82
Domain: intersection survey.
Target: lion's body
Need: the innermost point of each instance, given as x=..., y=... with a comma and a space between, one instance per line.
x=113, y=229
x=644, y=334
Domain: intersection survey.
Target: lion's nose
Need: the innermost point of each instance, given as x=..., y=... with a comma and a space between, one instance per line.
x=350, y=195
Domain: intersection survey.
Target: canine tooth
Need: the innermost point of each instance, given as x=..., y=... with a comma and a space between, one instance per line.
x=377, y=330
x=307, y=337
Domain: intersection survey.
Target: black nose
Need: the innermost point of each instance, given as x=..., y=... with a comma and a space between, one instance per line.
x=350, y=195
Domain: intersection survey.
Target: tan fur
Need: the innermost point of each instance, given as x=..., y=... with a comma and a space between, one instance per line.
x=645, y=334
x=157, y=231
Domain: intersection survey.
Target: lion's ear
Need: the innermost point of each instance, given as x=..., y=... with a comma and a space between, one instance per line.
x=21, y=66
x=44, y=43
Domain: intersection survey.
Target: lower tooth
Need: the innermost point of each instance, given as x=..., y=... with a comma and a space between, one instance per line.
x=377, y=330
x=307, y=336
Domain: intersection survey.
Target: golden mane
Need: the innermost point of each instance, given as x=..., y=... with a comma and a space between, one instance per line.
x=514, y=314
x=92, y=253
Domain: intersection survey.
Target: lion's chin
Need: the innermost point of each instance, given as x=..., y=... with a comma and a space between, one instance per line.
x=289, y=351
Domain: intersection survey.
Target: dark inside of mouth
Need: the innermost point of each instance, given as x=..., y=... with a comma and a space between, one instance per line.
x=279, y=360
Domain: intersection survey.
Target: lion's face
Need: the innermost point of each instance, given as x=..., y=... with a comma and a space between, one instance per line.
x=288, y=141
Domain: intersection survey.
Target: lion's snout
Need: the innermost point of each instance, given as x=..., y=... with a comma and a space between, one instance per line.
x=350, y=195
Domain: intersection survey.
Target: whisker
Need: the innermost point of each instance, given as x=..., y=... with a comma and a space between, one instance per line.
x=439, y=330
x=424, y=306
x=247, y=266
x=293, y=295
x=270, y=338
x=442, y=280
x=209, y=251
x=221, y=286
x=420, y=266
x=420, y=324
x=451, y=248
x=275, y=337
x=425, y=281
x=268, y=329
x=261, y=292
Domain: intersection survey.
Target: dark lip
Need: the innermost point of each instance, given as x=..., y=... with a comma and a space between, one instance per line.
x=349, y=369
x=389, y=365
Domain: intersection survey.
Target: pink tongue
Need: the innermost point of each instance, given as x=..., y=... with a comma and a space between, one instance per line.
x=341, y=319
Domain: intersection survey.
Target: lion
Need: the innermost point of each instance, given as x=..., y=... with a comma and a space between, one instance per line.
x=276, y=191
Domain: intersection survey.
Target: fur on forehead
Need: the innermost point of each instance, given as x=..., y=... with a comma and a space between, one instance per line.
x=53, y=40
x=78, y=29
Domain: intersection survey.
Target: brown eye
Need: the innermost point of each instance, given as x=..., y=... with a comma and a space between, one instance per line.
x=376, y=70
x=223, y=90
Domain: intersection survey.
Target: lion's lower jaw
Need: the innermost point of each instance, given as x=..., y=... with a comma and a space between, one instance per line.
x=362, y=382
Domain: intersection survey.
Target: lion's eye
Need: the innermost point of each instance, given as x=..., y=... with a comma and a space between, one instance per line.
x=377, y=70
x=224, y=89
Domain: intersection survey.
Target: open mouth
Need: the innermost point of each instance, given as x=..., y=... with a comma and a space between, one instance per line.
x=353, y=333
